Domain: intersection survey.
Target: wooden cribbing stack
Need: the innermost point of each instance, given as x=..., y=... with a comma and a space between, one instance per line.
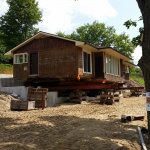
x=109, y=97
x=36, y=98
x=39, y=95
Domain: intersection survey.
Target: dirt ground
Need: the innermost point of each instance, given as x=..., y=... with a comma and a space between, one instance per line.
x=88, y=126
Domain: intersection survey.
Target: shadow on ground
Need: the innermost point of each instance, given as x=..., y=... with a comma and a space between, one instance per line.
x=67, y=133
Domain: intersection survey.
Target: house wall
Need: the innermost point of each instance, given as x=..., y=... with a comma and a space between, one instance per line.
x=57, y=58
x=59, y=62
x=114, y=78
x=20, y=71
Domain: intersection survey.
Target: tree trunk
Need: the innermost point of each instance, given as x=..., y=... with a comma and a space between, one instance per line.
x=144, y=62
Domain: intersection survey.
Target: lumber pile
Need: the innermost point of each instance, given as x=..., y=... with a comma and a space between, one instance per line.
x=129, y=117
x=77, y=96
x=22, y=105
x=39, y=96
x=36, y=98
x=109, y=98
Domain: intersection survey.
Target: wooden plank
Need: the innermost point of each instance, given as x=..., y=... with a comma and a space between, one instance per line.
x=102, y=86
x=22, y=105
x=129, y=88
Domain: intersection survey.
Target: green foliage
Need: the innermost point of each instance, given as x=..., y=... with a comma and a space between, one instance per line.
x=123, y=44
x=135, y=71
x=136, y=74
x=136, y=40
x=99, y=34
x=18, y=22
x=130, y=23
x=3, y=58
x=140, y=80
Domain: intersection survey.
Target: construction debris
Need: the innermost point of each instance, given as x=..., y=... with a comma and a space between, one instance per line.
x=109, y=97
x=22, y=105
x=77, y=96
x=36, y=99
x=127, y=118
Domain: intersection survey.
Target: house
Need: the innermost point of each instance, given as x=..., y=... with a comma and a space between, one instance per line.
x=48, y=57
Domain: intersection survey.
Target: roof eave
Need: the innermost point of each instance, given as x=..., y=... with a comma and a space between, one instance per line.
x=40, y=34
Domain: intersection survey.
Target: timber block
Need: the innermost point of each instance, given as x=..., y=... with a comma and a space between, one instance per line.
x=109, y=101
x=22, y=105
x=127, y=118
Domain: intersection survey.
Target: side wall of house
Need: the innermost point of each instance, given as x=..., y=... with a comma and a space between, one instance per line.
x=59, y=62
x=56, y=58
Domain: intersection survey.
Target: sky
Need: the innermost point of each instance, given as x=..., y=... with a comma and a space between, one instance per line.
x=67, y=15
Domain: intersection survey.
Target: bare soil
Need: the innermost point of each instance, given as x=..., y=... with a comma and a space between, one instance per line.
x=68, y=126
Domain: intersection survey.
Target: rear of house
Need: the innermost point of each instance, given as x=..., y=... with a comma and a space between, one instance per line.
x=54, y=58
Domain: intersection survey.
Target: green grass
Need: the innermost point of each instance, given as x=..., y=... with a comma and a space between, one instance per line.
x=6, y=66
x=6, y=69
x=140, y=80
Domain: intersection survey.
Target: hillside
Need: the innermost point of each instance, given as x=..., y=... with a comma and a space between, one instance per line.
x=6, y=69
x=136, y=74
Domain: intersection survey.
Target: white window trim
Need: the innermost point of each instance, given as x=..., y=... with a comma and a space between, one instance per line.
x=113, y=63
x=23, y=54
x=90, y=61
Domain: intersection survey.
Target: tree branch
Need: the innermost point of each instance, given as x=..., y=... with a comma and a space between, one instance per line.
x=141, y=4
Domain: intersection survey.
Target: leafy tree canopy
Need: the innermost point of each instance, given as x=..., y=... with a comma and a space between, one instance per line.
x=3, y=59
x=99, y=34
x=136, y=40
x=18, y=22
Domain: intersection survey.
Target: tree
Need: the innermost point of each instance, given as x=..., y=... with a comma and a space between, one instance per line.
x=3, y=59
x=99, y=34
x=144, y=62
x=17, y=25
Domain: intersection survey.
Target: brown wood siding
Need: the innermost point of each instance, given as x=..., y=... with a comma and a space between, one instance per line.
x=113, y=78
x=20, y=71
x=124, y=75
x=59, y=62
x=127, y=76
x=122, y=67
x=50, y=49
x=44, y=44
x=80, y=59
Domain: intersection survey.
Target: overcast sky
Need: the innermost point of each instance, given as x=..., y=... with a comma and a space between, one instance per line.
x=67, y=15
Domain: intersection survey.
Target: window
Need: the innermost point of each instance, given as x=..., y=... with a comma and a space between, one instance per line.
x=20, y=58
x=87, y=62
x=107, y=64
x=112, y=65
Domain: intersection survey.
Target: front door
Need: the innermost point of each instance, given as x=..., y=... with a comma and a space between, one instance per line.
x=34, y=63
x=99, y=65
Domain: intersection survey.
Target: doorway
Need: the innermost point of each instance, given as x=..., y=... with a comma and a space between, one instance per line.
x=34, y=63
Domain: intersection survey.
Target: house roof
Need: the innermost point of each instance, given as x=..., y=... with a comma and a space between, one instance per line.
x=108, y=47
x=77, y=42
x=38, y=36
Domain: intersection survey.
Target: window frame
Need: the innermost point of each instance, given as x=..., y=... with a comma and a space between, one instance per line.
x=112, y=65
x=24, y=58
x=89, y=62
